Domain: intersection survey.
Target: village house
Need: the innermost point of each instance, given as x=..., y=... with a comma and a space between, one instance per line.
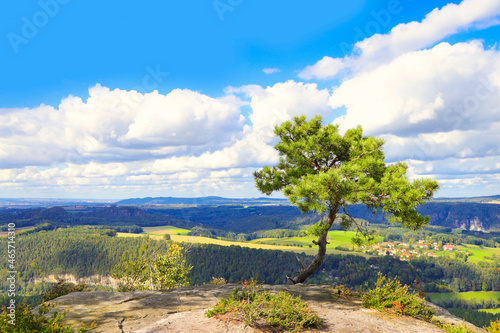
x=449, y=247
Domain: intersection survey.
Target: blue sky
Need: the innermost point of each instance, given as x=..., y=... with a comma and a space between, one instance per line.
x=178, y=98
x=89, y=42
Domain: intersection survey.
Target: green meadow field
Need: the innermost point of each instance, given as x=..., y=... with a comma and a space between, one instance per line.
x=180, y=235
x=164, y=230
x=469, y=295
x=492, y=311
x=335, y=238
x=478, y=254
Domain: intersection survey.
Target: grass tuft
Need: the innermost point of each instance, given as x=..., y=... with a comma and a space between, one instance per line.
x=281, y=309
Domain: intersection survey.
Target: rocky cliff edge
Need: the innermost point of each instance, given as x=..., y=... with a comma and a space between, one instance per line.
x=182, y=310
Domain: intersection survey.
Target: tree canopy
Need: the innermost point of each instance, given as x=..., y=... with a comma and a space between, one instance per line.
x=154, y=272
x=321, y=170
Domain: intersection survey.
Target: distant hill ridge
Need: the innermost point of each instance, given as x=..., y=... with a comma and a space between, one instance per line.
x=215, y=200
x=211, y=200
x=477, y=213
x=483, y=199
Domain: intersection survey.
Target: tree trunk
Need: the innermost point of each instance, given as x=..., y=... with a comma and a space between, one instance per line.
x=306, y=272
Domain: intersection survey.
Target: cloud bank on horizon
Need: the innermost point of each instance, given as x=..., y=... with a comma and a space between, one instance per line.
x=436, y=103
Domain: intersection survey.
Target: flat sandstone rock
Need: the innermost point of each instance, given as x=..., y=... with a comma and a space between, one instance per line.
x=182, y=310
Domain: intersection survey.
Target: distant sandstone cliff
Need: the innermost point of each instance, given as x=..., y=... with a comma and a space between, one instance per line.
x=458, y=215
x=468, y=216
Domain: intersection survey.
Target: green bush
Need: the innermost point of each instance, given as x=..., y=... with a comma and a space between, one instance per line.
x=61, y=288
x=26, y=321
x=160, y=271
x=280, y=309
x=390, y=294
x=218, y=281
x=457, y=329
x=494, y=327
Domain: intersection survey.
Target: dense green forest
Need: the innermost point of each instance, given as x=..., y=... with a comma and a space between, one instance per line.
x=85, y=251
x=241, y=219
x=478, y=318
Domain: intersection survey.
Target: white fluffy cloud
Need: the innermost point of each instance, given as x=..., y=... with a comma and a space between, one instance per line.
x=407, y=37
x=283, y=101
x=182, y=141
x=118, y=125
x=327, y=67
x=251, y=151
x=446, y=88
x=112, y=140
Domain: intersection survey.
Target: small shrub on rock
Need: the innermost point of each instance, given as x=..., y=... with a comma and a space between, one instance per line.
x=218, y=281
x=24, y=320
x=390, y=294
x=280, y=309
x=457, y=329
x=62, y=288
x=345, y=292
x=494, y=327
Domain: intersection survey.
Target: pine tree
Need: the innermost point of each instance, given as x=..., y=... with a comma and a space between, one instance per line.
x=321, y=170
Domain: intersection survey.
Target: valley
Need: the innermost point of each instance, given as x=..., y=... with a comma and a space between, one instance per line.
x=458, y=269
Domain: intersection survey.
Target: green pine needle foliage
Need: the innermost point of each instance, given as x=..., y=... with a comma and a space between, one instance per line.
x=322, y=170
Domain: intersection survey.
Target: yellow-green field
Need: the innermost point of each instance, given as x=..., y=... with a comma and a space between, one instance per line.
x=164, y=230
x=5, y=233
x=337, y=238
x=469, y=295
x=493, y=311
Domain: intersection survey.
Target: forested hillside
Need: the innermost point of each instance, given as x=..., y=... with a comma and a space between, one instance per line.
x=110, y=216
x=86, y=251
x=241, y=219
